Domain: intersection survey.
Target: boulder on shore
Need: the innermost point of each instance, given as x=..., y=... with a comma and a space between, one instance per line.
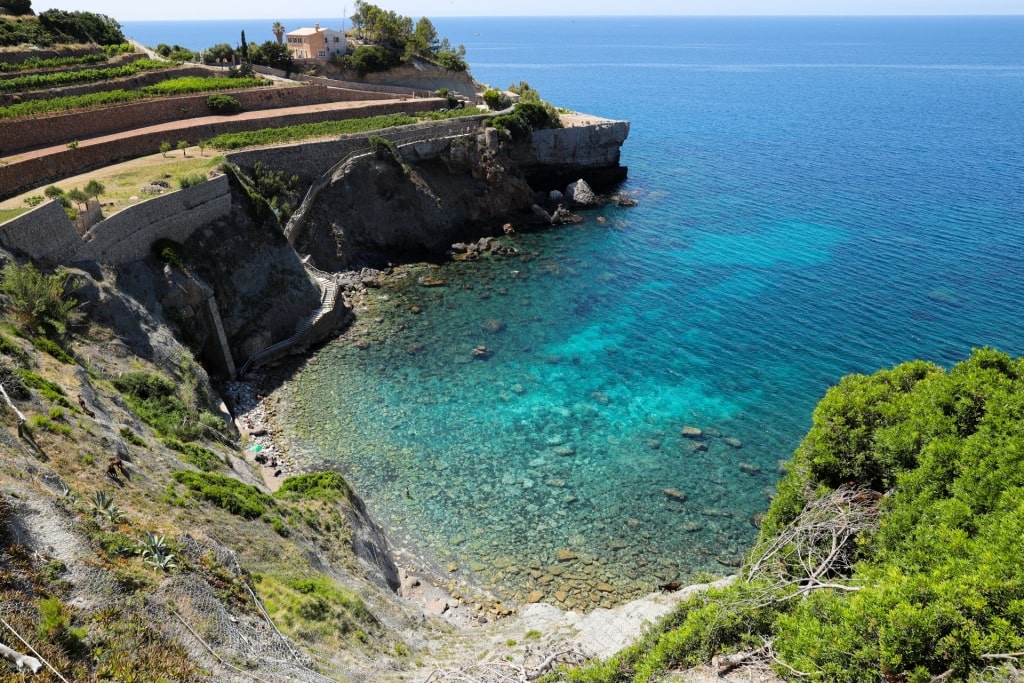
x=580, y=193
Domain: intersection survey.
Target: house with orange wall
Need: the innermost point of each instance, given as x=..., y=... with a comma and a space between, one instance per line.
x=315, y=43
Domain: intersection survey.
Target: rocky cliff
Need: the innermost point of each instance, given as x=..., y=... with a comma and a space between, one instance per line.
x=433, y=193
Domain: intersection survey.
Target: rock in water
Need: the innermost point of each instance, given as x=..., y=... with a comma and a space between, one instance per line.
x=580, y=193
x=675, y=494
x=691, y=432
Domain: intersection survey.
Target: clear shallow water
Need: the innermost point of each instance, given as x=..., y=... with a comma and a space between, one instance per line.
x=817, y=197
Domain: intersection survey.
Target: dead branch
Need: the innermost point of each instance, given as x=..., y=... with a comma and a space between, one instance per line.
x=818, y=546
x=774, y=657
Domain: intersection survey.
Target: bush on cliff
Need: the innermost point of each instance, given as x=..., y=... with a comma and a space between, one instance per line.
x=38, y=303
x=931, y=589
x=370, y=58
x=525, y=117
x=497, y=100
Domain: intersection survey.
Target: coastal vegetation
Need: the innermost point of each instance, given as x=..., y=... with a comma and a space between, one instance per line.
x=391, y=39
x=56, y=26
x=892, y=549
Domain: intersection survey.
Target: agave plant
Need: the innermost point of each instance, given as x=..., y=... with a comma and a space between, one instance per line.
x=158, y=560
x=103, y=505
x=152, y=544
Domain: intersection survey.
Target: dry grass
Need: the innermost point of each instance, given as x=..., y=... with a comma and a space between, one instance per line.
x=124, y=181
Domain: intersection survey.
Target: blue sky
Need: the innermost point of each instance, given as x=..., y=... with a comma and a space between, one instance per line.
x=129, y=10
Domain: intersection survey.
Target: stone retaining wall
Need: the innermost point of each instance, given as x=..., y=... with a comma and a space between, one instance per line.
x=135, y=82
x=45, y=233
x=19, y=176
x=60, y=128
x=313, y=159
x=129, y=234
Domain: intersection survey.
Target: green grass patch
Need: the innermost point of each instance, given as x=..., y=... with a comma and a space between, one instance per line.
x=8, y=214
x=52, y=348
x=131, y=437
x=226, y=493
x=11, y=349
x=40, y=63
x=43, y=423
x=47, y=389
x=316, y=610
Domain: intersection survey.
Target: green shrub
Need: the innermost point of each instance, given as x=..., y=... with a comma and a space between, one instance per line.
x=155, y=401
x=223, y=104
x=371, y=58
x=38, y=303
x=497, y=100
x=384, y=150
x=51, y=347
x=41, y=422
x=191, y=180
x=935, y=590
x=49, y=390
x=329, y=486
x=9, y=348
x=169, y=252
x=197, y=456
x=131, y=437
x=226, y=493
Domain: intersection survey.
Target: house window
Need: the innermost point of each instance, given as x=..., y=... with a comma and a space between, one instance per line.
x=322, y=53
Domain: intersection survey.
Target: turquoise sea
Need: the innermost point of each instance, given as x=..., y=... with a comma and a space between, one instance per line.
x=817, y=197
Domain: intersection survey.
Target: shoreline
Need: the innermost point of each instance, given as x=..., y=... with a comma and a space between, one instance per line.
x=253, y=405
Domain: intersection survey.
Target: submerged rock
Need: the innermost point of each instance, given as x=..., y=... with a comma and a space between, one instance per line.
x=691, y=432
x=675, y=494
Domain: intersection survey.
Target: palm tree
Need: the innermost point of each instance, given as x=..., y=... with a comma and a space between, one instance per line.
x=279, y=31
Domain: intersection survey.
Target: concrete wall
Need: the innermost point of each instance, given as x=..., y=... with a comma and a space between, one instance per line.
x=127, y=235
x=60, y=128
x=45, y=233
x=19, y=176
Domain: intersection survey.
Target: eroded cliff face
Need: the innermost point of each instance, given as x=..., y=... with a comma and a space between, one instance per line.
x=437, y=193
x=261, y=287
x=585, y=146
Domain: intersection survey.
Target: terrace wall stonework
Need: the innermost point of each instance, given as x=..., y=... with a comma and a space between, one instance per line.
x=18, y=176
x=60, y=128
